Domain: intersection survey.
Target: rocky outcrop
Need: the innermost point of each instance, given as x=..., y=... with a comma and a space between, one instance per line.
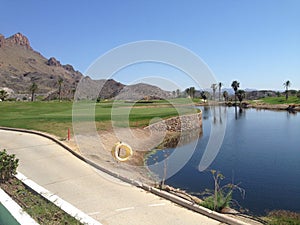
x=16, y=39
x=69, y=67
x=142, y=91
x=53, y=62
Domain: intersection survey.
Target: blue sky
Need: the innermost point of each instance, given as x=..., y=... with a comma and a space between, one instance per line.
x=256, y=42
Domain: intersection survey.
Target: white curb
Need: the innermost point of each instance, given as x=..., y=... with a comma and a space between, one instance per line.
x=15, y=210
x=65, y=206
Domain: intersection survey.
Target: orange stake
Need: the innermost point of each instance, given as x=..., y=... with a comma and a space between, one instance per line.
x=68, y=134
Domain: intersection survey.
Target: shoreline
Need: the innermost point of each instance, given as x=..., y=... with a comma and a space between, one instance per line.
x=275, y=107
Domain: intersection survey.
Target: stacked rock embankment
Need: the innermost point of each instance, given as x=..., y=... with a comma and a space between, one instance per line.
x=179, y=123
x=178, y=130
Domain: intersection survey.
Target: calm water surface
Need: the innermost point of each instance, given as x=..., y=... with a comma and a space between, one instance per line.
x=260, y=151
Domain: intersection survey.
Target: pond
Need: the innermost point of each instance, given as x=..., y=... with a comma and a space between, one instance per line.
x=260, y=152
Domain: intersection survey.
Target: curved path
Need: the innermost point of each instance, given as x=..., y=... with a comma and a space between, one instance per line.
x=104, y=198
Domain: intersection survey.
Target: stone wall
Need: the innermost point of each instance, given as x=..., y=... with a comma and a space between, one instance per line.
x=179, y=124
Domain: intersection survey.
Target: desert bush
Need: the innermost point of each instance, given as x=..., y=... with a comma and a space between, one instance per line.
x=8, y=165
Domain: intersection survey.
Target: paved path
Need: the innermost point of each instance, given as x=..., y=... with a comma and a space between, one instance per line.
x=104, y=198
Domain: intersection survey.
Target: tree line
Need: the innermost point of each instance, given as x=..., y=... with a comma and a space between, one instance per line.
x=33, y=89
x=239, y=94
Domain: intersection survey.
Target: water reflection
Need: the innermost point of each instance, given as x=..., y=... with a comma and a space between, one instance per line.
x=261, y=148
x=216, y=136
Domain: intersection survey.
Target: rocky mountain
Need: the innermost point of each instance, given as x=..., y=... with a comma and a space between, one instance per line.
x=111, y=89
x=21, y=66
x=142, y=91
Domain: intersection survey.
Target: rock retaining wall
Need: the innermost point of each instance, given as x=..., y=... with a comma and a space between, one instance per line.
x=179, y=123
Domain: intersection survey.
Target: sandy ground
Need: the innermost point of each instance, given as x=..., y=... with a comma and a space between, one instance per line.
x=98, y=149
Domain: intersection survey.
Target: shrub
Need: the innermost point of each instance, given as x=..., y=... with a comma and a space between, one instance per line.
x=8, y=165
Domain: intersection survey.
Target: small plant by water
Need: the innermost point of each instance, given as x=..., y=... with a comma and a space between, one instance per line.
x=221, y=197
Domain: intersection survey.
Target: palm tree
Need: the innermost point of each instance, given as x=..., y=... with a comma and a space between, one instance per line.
x=235, y=85
x=287, y=84
x=220, y=87
x=192, y=92
x=33, y=89
x=241, y=94
x=3, y=95
x=187, y=91
x=214, y=87
x=177, y=93
x=203, y=96
x=60, y=81
x=225, y=95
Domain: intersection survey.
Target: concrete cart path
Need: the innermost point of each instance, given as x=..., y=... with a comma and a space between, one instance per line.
x=104, y=198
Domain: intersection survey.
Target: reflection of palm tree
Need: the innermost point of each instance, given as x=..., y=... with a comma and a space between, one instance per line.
x=220, y=87
x=215, y=117
x=33, y=89
x=206, y=112
x=287, y=84
x=220, y=115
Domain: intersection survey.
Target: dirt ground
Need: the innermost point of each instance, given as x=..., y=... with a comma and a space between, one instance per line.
x=98, y=149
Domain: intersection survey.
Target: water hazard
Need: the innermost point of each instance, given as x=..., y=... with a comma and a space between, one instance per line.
x=260, y=152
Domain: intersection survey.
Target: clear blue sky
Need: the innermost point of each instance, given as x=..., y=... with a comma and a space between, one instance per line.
x=256, y=42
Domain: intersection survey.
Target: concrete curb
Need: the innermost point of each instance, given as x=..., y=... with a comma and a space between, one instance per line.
x=166, y=195
x=15, y=210
x=65, y=206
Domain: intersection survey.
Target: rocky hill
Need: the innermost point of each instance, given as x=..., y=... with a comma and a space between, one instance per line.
x=111, y=89
x=21, y=66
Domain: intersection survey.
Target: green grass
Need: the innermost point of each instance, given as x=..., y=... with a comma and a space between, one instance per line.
x=56, y=117
x=281, y=100
x=282, y=217
x=52, y=117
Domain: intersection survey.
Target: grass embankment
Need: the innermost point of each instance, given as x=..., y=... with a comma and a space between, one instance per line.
x=282, y=217
x=42, y=211
x=280, y=100
x=56, y=117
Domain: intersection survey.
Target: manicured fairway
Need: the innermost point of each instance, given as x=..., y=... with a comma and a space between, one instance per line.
x=281, y=100
x=56, y=117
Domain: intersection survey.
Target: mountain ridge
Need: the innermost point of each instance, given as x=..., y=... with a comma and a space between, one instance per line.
x=21, y=66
